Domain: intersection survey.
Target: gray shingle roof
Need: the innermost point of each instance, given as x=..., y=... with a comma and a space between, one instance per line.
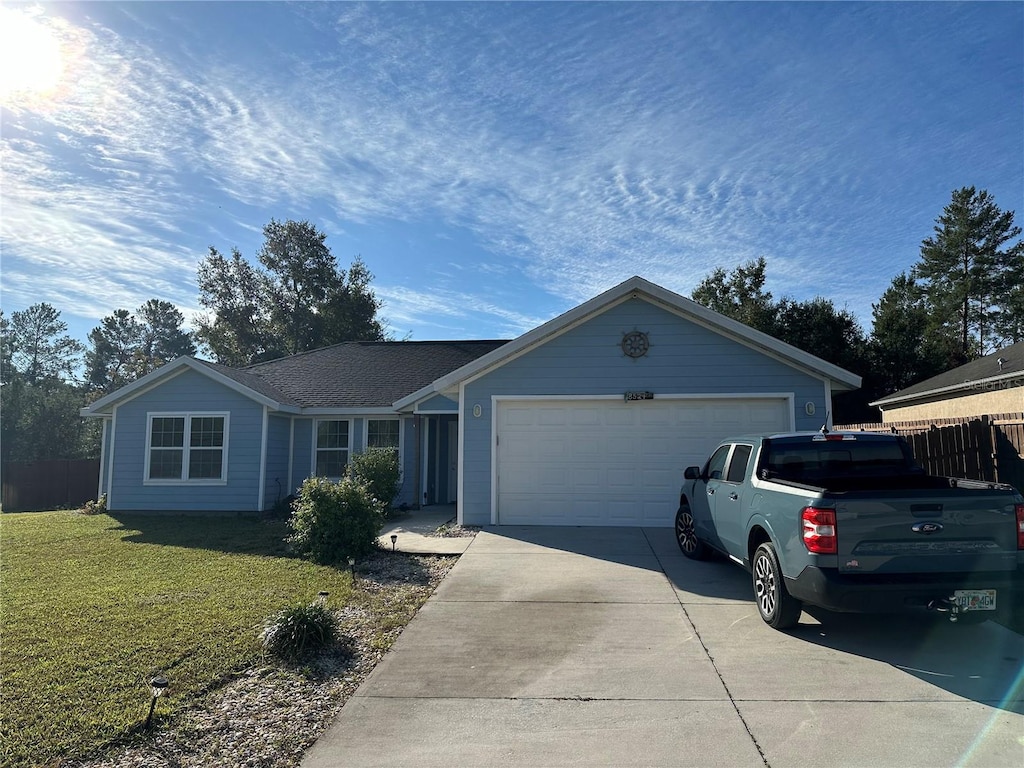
x=982, y=369
x=360, y=374
x=253, y=382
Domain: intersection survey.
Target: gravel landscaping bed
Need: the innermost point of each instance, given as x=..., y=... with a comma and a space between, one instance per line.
x=267, y=716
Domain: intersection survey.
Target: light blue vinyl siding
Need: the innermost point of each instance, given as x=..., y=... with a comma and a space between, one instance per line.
x=276, y=486
x=438, y=403
x=302, y=458
x=188, y=392
x=684, y=359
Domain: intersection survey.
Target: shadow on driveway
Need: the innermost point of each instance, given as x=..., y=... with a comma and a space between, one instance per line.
x=982, y=663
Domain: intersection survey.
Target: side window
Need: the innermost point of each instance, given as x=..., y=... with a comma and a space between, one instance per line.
x=716, y=464
x=738, y=465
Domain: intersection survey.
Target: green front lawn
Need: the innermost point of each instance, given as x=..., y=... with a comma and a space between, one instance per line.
x=93, y=607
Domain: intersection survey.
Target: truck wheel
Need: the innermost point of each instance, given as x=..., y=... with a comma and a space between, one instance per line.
x=777, y=607
x=686, y=535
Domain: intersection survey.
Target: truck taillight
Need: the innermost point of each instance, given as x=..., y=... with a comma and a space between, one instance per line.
x=1020, y=525
x=820, y=530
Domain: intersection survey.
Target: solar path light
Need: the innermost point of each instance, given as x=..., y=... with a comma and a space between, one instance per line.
x=158, y=689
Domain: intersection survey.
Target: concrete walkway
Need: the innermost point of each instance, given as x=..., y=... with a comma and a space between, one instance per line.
x=605, y=647
x=413, y=532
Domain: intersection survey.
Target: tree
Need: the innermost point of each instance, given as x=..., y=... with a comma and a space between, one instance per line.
x=126, y=347
x=968, y=273
x=38, y=346
x=38, y=399
x=296, y=300
x=740, y=295
x=902, y=350
x=814, y=326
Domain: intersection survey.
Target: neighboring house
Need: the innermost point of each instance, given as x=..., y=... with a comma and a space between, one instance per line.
x=588, y=419
x=989, y=385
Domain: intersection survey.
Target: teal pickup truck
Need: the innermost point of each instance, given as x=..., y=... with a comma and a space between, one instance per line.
x=848, y=521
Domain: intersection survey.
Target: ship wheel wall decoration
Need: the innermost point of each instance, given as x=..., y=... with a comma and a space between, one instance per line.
x=635, y=344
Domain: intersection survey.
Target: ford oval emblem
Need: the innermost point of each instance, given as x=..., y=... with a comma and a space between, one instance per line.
x=926, y=528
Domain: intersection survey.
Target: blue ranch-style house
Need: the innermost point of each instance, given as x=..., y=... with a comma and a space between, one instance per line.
x=588, y=419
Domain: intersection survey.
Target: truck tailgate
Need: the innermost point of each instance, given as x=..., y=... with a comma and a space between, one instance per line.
x=939, y=531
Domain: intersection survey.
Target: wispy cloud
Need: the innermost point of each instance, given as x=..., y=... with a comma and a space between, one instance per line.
x=577, y=144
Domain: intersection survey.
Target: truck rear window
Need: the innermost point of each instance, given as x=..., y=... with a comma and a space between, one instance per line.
x=803, y=460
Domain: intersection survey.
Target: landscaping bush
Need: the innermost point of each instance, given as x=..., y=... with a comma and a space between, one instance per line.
x=299, y=630
x=97, y=507
x=378, y=469
x=333, y=521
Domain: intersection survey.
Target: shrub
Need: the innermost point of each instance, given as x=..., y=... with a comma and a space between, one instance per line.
x=299, y=630
x=97, y=507
x=378, y=469
x=332, y=521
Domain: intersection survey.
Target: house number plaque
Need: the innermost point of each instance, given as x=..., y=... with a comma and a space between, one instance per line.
x=633, y=396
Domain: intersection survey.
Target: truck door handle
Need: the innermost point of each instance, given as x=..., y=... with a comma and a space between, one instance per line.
x=711, y=491
x=733, y=496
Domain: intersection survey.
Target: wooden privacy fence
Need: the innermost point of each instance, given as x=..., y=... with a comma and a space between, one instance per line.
x=980, y=447
x=56, y=484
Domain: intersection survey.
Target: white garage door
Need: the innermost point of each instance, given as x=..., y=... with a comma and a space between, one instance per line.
x=608, y=462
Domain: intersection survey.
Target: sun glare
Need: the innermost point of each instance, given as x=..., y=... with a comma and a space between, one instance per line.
x=30, y=57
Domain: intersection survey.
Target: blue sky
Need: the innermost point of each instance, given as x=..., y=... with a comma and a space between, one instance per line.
x=496, y=164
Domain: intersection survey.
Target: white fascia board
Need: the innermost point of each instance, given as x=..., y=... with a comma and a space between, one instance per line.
x=987, y=384
x=165, y=372
x=409, y=402
x=637, y=287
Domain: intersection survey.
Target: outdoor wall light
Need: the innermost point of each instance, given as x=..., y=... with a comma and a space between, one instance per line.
x=157, y=688
x=394, y=540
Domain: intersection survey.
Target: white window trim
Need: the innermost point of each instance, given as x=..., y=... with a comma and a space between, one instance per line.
x=316, y=425
x=366, y=431
x=401, y=438
x=187, y=416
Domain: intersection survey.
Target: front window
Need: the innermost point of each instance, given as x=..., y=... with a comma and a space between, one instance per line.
x=382, y=433
x=332, y=446
x=187, y=448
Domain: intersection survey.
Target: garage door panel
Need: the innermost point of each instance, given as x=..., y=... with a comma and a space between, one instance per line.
x=609, y=462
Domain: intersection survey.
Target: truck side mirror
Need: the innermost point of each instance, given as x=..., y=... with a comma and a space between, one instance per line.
x=692, y=473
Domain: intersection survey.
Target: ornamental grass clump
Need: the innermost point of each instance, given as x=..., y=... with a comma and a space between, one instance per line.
x=334, y=521
x=300, y=630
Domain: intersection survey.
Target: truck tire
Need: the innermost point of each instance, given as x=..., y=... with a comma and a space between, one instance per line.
x=686, y=535
x=778, y=608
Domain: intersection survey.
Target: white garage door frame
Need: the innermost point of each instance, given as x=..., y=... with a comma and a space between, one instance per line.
x=787, y=398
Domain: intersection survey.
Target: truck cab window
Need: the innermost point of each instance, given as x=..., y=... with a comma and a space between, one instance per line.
x=738, y=465
x=716, y=464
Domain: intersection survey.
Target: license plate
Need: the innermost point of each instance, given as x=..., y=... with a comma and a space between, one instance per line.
x=975, y=599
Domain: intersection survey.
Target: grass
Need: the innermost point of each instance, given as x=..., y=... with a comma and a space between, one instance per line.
x=93, y=607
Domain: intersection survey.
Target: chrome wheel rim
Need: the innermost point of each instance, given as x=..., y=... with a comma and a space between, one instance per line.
x=684, y=532
x=764, y=585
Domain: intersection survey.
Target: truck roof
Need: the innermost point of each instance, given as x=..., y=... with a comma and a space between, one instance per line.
x=840, y=435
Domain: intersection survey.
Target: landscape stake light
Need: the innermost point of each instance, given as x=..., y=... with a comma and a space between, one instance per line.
x=394, y=539
x=352, y=568
x=158, y=688
x=321, y=598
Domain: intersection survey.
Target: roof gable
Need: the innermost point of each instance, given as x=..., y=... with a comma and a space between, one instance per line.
x=638, y=288
x=237, y=381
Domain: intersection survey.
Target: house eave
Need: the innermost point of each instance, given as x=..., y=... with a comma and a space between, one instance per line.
x=992, y=382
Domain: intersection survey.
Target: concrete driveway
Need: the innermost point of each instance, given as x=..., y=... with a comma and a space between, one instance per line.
x=605, y=647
